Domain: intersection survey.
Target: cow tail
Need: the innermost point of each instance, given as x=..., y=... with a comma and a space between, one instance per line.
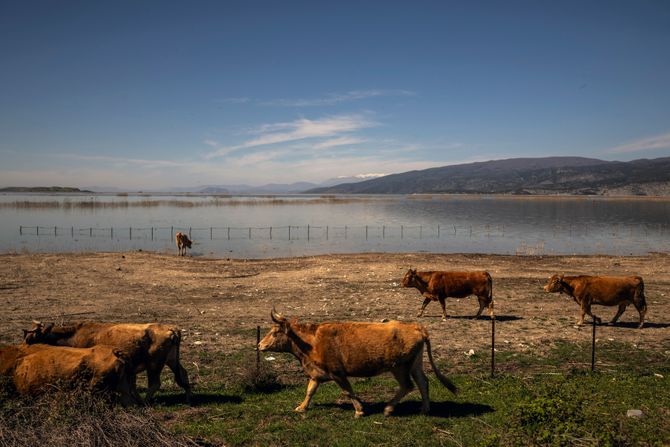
x=446, y=382
x=639, y=298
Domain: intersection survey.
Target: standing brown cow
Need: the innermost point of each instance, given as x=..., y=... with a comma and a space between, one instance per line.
x=182, y=242
x=335, y=351
x=438, y=286
x=154, y=345
x=605, y=290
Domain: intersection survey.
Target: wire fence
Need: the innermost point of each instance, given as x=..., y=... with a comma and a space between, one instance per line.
x=359, y=232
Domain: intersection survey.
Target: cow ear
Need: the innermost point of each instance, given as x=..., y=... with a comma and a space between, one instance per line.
x=25, y=333
x=277, y=318
x=49, y=328
x=560, y=278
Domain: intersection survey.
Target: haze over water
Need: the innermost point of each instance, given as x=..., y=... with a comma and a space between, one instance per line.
x=258, y=227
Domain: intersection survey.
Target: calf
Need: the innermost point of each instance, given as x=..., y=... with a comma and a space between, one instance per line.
x=605, y=290
x=35, y=369
x=155, y=345
x=182, y=242
x=335, y=351
x=438, y=286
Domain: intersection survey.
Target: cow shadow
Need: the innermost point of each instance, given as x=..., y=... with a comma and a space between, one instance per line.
x=483, y=317
x=197, y=399
x=634, y=325
x=446, y=409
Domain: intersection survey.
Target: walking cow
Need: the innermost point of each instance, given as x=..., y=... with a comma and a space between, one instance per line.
x=438, y=286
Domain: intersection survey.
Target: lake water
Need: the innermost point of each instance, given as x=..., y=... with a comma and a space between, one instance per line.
x=262, y=227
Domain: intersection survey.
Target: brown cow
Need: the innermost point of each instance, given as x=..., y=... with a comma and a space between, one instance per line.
x=155, y=345
x=335, y=351
x=438, y=286
x=605, y=290
x=34, y=369
x=182, y=242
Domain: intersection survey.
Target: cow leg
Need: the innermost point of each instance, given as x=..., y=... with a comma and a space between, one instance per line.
x=444, y=307
x=482, y=304
x=346, y=386
x=423, y=306
x=586, y=309
x=622, y=308
x=312, y=386
x=642, y=309
x=402, y=376
x=180, y=374
x=422, y=382
x=154, y=379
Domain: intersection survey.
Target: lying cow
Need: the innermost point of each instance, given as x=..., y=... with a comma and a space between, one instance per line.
x=438, y=286
x=155, y=346
x=35, y=369
x=605, y=290
x=335, y=351
x=182, y=242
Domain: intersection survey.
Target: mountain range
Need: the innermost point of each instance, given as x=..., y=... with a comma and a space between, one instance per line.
x=548, y=175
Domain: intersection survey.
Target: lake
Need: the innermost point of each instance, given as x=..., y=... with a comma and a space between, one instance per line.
x=279, y=226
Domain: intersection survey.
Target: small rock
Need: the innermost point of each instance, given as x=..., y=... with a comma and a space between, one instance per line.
x=634, y=413
x=269, y=359
x=660, y=376
x=470, y=353
x=197, y=342
x=118, y=269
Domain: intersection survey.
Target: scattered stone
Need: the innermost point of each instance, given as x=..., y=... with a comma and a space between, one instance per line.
x=634, y=413
x=470, y=353
x=660, y=376
x=269, y=359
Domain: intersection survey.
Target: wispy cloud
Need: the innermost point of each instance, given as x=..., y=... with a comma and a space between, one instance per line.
x=341, y=141
x=239, y=100
x=644, y=144
x=299, y=129
x=335, y=98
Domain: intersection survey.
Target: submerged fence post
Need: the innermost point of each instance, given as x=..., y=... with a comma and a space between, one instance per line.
x=20, y=230
x=55, y=231
x=111, y=232
x=366, y=232
x=438, y=231
x=72, y=231
x=249, y=233
x=493, y=345
x=289, y=232
x=228, y=233
x=189, y=232
x=90, y=232
x=307, y=232
x=37, y=228
x=130, y=233
x=152, y=233
x=211, y=233
x=345, y=232
x=593, y=346
x=270, y=233
x=402, y=231
x=326, y=232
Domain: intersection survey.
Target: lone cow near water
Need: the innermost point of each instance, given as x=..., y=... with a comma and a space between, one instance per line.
x=335, y=351
x=438, y=286
x=182, y=242
x=604, y=290
x=154, y=345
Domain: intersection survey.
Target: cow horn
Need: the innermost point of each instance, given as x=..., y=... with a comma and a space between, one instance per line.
x=38, y=323
x=277, y=318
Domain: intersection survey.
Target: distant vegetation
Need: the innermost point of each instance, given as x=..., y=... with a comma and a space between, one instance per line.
x=525, y=176
x=96, y=204
x=60, y=189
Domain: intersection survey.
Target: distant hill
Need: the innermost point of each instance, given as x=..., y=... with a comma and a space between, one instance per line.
x=549, y=175
x=65, y=189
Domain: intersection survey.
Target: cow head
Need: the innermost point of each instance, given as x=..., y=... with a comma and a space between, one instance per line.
x=555, y=284
x=410, y=278
x=277, y=339
x=37, y=333
x=187, y=242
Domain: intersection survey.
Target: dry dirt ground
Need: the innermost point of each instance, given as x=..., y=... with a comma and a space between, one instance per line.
x=219, y=302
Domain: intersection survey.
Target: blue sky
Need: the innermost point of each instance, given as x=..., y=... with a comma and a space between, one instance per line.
x=149, y=95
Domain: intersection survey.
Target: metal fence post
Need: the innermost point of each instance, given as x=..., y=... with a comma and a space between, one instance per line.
x=258, y=352
x=593, y=346
x=493, y=345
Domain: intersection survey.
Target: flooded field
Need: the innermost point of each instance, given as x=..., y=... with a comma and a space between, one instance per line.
x=280, y=226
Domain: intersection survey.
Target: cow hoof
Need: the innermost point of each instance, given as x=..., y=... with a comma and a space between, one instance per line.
x=300, y=409
x=359, y=414
x=444, y=319
x=388, y=410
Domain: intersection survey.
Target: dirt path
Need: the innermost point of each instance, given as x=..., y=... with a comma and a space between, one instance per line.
x=220, y=302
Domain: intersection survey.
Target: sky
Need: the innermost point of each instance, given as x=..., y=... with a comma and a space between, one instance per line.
x=146, y=95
